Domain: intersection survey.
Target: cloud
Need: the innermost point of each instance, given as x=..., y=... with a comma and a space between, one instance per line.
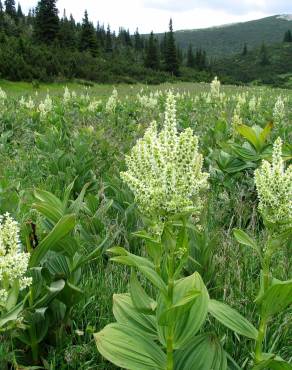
x=154, y=14
x=228, y=6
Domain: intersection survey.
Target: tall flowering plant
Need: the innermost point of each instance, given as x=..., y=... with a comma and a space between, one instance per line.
x=274, y=188
x=163, y=330
x=13, y=269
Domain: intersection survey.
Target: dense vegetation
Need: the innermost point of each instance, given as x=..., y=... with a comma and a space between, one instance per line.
x=264, y=65
x=41, y=46
x=61, y=161
x=229, y=39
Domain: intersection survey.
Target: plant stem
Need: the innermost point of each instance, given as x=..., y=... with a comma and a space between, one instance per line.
x=263, y=321
x=170, y=330
x=170, y=326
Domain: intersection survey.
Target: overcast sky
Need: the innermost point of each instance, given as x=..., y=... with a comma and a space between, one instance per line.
x=154, y=14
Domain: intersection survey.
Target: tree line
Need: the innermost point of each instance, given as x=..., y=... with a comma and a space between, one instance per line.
x=41, y=45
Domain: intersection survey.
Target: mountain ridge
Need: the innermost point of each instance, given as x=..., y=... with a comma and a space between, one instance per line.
x=219, y=41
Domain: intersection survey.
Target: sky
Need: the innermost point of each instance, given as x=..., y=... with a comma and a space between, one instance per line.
x=154, y=15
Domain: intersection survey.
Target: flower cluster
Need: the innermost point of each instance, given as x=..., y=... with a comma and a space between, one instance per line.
x=3, y=96
x=147, y=102
x=28, y=104
x=45, y=106
x=215, y=88
x=112, y=102
x=274, y=187
x=165, y=169
x=67, y=96
x=279, y=111
x=13, y=262
x=94, y=105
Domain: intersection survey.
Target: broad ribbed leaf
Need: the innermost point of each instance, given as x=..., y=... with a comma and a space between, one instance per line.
x=232, y=319
x=188, y=322
x=249, y=134
x=127, y=348
x=141, y=300
x=203, y=353
x=126, y=313
x=65, y=225
x=276, y=298
x=12, y=315
x=245, y=239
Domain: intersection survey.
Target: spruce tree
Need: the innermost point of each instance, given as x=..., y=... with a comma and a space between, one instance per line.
x=88, y=39
x=67, y=37
x=108, y=41
x=264, y=58
x=152, y=56
x=138, y=43
x=171, y=59
x=244, y=51
x=46, y=21
x=190, y=57
x=10, y=8
x=288, y=36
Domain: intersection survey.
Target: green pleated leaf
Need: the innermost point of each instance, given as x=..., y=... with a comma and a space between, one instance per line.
x=179, y=307
x=51, y=292
x=273, y=362
x=126, y=313
x=141, y=300
x=276, y=298
x=11, y=315
x=205, y=352
x=232, y=319
x=245, y=239
x=127, y=348
x=64, y=226
x=187, y=322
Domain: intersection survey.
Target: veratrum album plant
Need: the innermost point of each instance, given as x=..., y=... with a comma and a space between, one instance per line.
x=274, y=188
x=160, y=324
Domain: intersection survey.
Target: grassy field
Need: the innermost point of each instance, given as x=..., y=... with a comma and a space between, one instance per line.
x=52, y=140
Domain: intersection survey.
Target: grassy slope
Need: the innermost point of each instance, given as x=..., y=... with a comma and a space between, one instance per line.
x=248, y=68
x=229, y=39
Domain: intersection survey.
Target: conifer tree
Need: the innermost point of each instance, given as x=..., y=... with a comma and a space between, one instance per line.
x=152, y=56
x=171, y=58
x=10, y=8
x=244, y=51
x=46, y=21
x=88, y=39
x=288, y=36
x=138, y=43
x=67, y=37
x=190, y=57
x=101, y=35
x=108, y=41
x=264, y=58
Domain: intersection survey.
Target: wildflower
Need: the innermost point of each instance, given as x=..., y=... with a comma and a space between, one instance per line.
x=274, y=187
x=112, y=102
x=236, y=121
x=215, y=88
x=147, y=102
x=66, y=96
x=252, y=105
x=165, y=169
x=13, y=262
x=3, y=96
x=279, y=111
x=46, y=106
x=93, y=106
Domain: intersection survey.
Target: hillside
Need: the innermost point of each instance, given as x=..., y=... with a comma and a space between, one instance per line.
x=274, y=68
x=229, y=39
